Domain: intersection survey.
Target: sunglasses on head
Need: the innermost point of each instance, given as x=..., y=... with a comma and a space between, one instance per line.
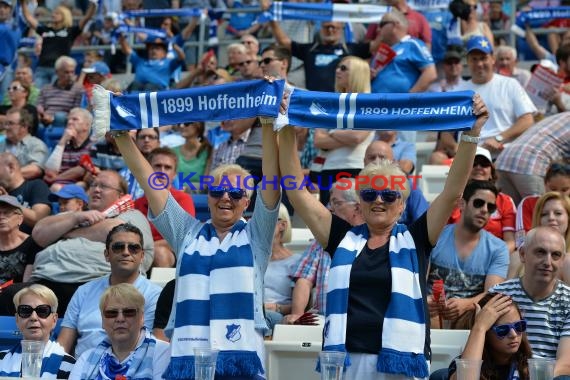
x=42, y=311
x=234, y=193
x=387, y=195
x=342, y=68
x=119, y=247
x=503, y=330
x=478, y=203
x=128, y=312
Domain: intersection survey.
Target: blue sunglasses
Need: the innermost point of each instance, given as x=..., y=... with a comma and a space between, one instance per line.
x=234, y=193
x=387, y=195
x=504, y=330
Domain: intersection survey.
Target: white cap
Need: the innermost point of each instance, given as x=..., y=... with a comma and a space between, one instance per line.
x=483, y=152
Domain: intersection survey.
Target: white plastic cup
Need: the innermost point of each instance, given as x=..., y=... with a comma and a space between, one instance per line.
x=541, y=368
x=32, y=355
x=205, y=363
x=332, y=364
x=468, y=369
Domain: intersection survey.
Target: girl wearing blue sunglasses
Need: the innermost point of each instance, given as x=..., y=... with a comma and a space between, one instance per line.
x=497, y=337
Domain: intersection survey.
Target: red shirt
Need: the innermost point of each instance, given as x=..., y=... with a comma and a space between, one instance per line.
x=524, y=217
x=500, y=221
x=418, y=27
x=184, y=200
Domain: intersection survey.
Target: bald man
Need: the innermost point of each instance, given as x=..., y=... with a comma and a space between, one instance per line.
x=416, y=203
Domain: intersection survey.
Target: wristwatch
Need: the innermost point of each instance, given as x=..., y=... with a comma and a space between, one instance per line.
x=499, y=138
x=470, y=139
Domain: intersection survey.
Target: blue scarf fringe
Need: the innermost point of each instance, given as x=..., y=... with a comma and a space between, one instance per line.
x=407, y=363
x=229, y=363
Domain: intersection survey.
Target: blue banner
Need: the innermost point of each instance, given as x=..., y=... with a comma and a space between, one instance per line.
x=238, y=100
x=187, y=12
x=416, y=112
x=323, y=12
x=536, y=18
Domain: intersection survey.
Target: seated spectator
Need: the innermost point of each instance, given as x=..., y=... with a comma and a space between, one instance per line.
x=278, y=285
x=57, y=99
x=164, y=160
x=452, y=68
x=17, y=249
x=195, y=156
x=543, y=298
x=416, y=203
x=313, y=266
x=498, y=20
x=36, y=318
x=153, y=73
x=30, y=151
x=70, y=198
x=467, y=258
x=18, y=95
x=498, y=338
x=249, y=68
x=553, y=210
x=163, y=325
x=92, y=75
x=25, y=75
x=251, y=44
x=203, y=73
x=105, y=155
x=236, y=54
x=62, y=166
x=228, y=151
x=32, y=194
x=73, y=242
x=146, y=140
x=557, y=178
x=404, y=152
x=129, y=350
x=81, y=328
x=506, y=64
x=502, y=221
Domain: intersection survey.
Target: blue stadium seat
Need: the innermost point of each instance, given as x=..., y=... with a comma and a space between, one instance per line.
x=10, y=335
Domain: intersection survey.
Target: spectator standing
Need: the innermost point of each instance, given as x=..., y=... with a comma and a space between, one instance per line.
x=57, y=39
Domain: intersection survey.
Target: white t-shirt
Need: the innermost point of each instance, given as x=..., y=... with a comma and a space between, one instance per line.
x=506, y=101
x=347, y=157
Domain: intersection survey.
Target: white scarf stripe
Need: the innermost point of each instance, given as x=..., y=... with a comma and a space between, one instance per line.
x=343, y=273
x=154, y=109
x=338, y=337
x=223, y=286
x=341, y=111
x=144, y=114
x=197, y=286
x=412, y=330
x=351, y=111
x=405, y=282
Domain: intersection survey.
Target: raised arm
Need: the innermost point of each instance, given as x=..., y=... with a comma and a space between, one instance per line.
x=30, y=19
x=142, y=171
x=443, y=205
x=125, y=47
x=89, y=14
x=280, y=35
x=314, y=214
x=270, y=193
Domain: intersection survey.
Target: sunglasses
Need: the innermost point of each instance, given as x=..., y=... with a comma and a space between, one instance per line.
x=387, y=196
x=119, y=247
x=234, y=193
x=268, y=60
x=245, y=63
x=503, y=330
x=342, y=68
x=482, y=163
x=16, y=88
x=42, y=311
x=129, y=312
x=384, y=23
x=478, y=203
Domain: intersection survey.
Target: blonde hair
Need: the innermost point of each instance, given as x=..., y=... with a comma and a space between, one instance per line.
x=552, y=196
x=233, y=169
x=284, y=215
x=389, y=172
x=67, y=17
x=125, y=293
x=40, y=291
x=358, y=76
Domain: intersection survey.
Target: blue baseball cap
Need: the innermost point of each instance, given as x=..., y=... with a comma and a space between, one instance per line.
x=68, y=192
x=97, y=68
x=480, y=43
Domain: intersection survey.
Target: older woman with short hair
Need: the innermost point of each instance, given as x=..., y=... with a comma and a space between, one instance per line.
x=129, y=351
x=36, y=318
x=220, y=263
x=376, y=292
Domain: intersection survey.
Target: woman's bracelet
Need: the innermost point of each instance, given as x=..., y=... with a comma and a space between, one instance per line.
x=470, y=139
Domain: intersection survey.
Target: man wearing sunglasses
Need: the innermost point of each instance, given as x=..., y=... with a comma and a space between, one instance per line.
x=543, y=298
x=467, y=258
x=81, y=327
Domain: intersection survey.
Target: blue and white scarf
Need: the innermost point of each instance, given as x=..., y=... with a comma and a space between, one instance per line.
x=323, y=12
x=404, y=327
x=311, y=109
x=102, y=364
x=52, y=363
x=537, y=17
x=217, y=313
